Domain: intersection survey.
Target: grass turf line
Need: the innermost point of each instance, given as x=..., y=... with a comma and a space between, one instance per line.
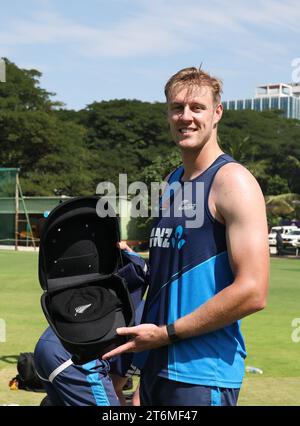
x=267, y=333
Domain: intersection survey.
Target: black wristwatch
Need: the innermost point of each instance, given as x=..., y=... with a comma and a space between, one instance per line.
x=172, y=333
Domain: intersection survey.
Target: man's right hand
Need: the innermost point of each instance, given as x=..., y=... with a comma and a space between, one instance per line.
x=124, y=246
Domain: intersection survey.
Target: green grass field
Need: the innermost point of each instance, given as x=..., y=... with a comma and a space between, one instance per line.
x=267, y=333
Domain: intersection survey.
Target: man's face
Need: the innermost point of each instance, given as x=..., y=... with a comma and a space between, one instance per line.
x=192, y=116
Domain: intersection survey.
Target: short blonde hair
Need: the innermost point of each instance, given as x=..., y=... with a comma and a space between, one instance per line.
x=194, y=77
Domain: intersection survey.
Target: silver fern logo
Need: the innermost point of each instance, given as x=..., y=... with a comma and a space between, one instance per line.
x=81, y=309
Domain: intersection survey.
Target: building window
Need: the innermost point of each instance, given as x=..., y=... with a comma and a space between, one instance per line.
x=286, y=90
x=274, y=91
x=240, y=104
x=248, y=104
x=257, y=104
x=262, y=90
x=275, y=103
x=266, y=103
x=284, y=105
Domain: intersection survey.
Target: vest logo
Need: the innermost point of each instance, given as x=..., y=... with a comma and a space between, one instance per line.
x=162, y=237
x=186, y=205
x=177, y=241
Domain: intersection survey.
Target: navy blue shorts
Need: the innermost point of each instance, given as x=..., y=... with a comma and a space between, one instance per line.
x=158, y=391
x=121, y=364
x=84, y=385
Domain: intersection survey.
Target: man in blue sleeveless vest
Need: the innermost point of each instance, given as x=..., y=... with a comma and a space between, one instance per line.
x=204, y=276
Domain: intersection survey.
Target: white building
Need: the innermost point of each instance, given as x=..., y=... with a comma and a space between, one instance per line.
x=296, y=89
x=282, y=96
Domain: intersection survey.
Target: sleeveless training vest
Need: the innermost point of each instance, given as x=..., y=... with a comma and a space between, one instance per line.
x=188, y=266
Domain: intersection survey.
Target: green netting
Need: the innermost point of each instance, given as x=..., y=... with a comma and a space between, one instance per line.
x=8, y=182
x=7, y=191
x=7, y=229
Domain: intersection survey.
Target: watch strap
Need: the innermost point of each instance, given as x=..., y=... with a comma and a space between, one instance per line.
x=172, y=333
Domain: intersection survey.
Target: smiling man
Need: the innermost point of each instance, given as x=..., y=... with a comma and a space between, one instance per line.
x=190, y=347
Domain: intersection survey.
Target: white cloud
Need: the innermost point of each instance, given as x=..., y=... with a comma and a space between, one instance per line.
x=162, y=27
x=265, y=13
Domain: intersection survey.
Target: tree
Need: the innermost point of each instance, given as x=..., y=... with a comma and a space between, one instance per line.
x=125, y=136
x=282, y=206
x=21, y=91
x=156, y=172
x=272, y=146
x=277, y=185
x=72, y=151
x=51, y=154
x=161, y=167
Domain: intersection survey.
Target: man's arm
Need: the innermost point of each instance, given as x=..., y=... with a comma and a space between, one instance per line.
x=239, y=203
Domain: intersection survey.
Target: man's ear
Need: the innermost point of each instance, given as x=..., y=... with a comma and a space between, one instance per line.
x=218, y=114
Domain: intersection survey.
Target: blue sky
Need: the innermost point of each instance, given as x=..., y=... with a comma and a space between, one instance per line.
x=107, y=49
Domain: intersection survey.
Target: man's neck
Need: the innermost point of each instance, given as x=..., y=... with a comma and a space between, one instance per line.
x=196, y=162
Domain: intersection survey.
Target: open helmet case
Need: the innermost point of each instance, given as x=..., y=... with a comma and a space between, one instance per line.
x=79, y=253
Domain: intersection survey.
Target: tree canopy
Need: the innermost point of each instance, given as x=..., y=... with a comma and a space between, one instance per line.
x=69, y=152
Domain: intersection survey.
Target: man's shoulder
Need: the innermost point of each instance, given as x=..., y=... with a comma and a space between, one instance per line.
x=235, y=189
x=234, y=175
